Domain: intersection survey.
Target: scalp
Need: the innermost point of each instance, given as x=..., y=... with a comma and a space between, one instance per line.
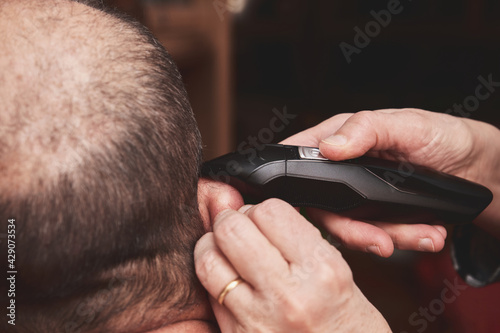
x=64, y=79
x=99, y=161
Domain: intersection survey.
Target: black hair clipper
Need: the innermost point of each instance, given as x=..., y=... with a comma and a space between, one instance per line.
x=363, y=188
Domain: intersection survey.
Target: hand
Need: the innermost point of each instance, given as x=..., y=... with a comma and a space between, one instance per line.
x=462, y=147
x=294, y=280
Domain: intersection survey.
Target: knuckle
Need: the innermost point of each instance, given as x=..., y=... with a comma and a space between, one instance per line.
x=334, y=273
x=364, y=114
x=230, y=226
x=343, y=276
x=273, y=203
x=315, y=233
x=270, y=207
x=296, y=312
x=326, y=274
x=364, y=119
x=417, y=115
x=412, y=110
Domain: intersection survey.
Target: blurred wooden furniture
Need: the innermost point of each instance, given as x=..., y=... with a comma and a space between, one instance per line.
x=199, y=41
x=197, y=33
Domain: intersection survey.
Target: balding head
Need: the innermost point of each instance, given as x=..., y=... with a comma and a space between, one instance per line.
x=99, y=157
x=60, y=64
x=73, y=77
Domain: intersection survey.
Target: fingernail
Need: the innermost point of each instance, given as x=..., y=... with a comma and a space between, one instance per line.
x=222, y=214
x=336, y=140
x=375, y=249
x=243, y=209
x=442, y=230
x=426, y=244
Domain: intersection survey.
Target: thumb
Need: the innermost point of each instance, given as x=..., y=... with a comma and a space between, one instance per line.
x=402, y=131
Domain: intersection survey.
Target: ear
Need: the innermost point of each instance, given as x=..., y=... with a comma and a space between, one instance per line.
x=214, y=197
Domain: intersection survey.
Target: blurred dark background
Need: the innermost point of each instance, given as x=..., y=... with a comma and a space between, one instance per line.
x=243, y=59
x=429, y=57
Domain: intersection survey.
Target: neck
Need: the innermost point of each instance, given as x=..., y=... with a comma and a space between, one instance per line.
x=143, y=300
x=189, y=326
x=199, y=320
x=164, y=318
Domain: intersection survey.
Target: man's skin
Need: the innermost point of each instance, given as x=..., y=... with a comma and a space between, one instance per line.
x=61, y=44
x=213, y=197
x=462, y=147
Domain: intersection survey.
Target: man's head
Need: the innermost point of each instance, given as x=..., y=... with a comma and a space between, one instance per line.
x=99, y=158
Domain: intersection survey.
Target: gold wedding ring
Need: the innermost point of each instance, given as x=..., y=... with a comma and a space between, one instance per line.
x=230, y=286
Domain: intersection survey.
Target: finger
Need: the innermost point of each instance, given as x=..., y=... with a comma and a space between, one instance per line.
x=295, y=237
x=354, y=234
x=405, y=131
x=252, y=255
x=442, y=230
x=312, y=136
x=215, y=272
x=243, y=209
x=418, y=237
x=225, y=318
x=214, y=197
x=247, y=207
x=377, y=238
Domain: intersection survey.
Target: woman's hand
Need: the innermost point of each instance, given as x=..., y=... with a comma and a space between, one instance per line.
x=461, y=147
x=293, y=279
